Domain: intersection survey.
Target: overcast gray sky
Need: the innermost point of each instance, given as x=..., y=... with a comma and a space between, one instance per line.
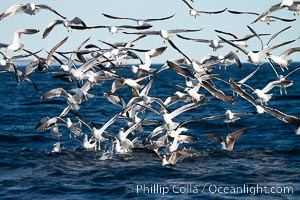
x=90, y=11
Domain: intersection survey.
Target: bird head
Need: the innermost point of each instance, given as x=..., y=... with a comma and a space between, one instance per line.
x=286, y=3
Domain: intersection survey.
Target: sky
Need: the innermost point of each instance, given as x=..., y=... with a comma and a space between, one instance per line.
x=90, y=12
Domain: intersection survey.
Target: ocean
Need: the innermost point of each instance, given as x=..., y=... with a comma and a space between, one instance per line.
x=265, y=161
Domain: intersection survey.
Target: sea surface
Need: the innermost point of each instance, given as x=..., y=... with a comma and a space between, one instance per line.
x=265, y=162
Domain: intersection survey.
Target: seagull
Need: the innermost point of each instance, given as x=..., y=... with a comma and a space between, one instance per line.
x=266, y=19
x=261, y=93
x=88, y=144
x=72, y=101
x=42, y=63
x=29, y=8
x=214, y=44
x=165, y=34
x=195, y=13
x=221, y=60
x=66, y=23
x=240, y=41
x=229, y=116
x=175, y=156
x=140, y=22
x=56, y=147
x=16, y=44
x=167, y=117
x=290, y=4
x=280, y=60
x=145, y=66
x=282, y=78
x=235, y=87
x=254, y=56
x=112, y=29
x=230, y=139
x=97, y=133
x=47, y=123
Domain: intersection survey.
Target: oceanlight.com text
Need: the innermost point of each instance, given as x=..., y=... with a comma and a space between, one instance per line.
x=250, y=189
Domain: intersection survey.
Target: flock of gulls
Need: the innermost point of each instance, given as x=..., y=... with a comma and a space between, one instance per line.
x=89, y=66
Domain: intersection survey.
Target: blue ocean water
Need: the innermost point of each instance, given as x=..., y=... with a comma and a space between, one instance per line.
x=265, y=162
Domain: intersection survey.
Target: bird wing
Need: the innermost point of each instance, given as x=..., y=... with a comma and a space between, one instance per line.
x=188, y=5
x=234, y=36
x=113, y=17
x=236, y=88
x=180, y=70
x=276, y=34
x=232, y=56
x=186, y=138
x=232, y=137
x=46, y=7
x=14, y=9
x=234, y=45
x=270, y=48
x=283, y=19
x=214, y=138
x=241, y=82
x=254, y=33
x=212, y=12
x=156, y=52
x=184, y=108
x=268, y=11
x=159, y=19
x=143, y=33
x=142, y=27
x=290, y=51
x=51, y=26
x=184, y=30
x=282, y=116
x=292, y=71
x=240, y=12
x=50, y=54
x=196, y=40
x=17, y=34
x=176, y=48
x=57, y=92
x=217, y=93
x=77, y=20
x=46, y=122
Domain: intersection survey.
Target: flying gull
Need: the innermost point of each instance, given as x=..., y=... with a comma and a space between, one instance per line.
x=290, y=4
x=230, y=139
x=67, y=23
x=140, y=22
x=266, y=19
x=194, y=13
x=29, y=8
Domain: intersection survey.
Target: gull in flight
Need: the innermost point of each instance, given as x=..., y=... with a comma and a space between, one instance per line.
x=267, y=19
x=67, y=23
x=16, y=44
x=195, y=13
x=29, y=8
x=230, y=139
x=140, y=22
x=290, y=4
